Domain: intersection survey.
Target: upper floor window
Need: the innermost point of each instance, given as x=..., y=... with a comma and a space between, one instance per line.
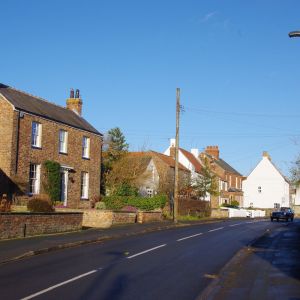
x=34, y=179
x=86, y=147
x=84, y=185
x=259, y=189
x=63, y=141
x=149, y=192
x=36, y=134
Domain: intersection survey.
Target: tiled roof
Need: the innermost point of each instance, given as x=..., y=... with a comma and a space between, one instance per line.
x=169, y=160
x=40, y=107
x=192, y=159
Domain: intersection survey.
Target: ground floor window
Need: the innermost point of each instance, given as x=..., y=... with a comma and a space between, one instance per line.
x=84, y=185
x=34, y=179
x=276, y=205
x=149, y=192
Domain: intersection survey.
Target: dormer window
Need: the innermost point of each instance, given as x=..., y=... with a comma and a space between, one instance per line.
x=85, y=147
x=36, y=135
x=63, y=141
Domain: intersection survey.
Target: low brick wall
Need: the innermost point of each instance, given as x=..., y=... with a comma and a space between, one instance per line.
x=16, y=225
x=219, y=213
x=149, y=216
x=120, y=217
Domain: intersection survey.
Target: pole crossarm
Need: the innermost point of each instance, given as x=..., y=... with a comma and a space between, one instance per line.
x=294, y=34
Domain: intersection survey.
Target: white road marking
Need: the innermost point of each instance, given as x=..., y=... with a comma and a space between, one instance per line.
x=59, y=284
x=189, y=237
x=232, y=225
x=146, y=251
x=216, y=229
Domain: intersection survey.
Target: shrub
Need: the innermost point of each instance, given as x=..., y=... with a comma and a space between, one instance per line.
x=126, y=189
x=100, y=205
x=118, y=202
x=39, y=205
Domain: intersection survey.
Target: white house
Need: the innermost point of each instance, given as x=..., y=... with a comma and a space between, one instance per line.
x=266, y=187
x=190, y=160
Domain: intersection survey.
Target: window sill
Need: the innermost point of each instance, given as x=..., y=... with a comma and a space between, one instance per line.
x=36, y=147
x=86, y=158
x=63, y=153
x=84, y=199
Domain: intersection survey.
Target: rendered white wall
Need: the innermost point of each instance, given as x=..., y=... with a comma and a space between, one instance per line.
x=274, y=188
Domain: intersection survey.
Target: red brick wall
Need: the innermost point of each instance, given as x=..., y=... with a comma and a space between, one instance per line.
x=193, y=207
x=12, y=225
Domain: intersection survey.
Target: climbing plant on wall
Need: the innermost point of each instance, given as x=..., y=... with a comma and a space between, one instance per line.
x=52, y=180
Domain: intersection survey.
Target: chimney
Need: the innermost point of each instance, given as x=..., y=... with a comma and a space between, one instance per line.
x=213, y=151
x=195, y=152
x=266, y=154
x=74, y=103
x=172, y=147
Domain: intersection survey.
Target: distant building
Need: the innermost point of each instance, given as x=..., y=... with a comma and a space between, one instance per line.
x=230, y=180
x=266, y=187
x=33, y=130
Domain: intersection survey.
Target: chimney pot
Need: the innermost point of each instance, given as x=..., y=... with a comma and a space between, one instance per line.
x=72, y=93
x=77, y=94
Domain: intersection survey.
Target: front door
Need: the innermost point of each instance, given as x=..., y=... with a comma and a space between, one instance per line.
x=64, y=186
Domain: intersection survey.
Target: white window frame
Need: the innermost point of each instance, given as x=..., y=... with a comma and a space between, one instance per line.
x=36, y=134
x=63, y=141
x=150, y=192
x=34, y=179
x=86, y=147
x=84, y=185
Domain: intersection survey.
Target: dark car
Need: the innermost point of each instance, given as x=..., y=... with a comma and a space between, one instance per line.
x=285, y=213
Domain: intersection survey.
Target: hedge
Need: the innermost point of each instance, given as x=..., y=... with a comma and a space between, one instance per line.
x=118, y=202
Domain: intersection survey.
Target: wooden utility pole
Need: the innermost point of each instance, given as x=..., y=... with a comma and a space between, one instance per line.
x=175, y=213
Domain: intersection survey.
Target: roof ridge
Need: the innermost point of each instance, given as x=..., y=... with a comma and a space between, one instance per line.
x=37, y=97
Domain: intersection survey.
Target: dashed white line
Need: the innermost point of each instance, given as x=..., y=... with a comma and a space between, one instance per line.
x=232, y=225
x=216, y=229
x=146, y=251
x=58, y=285
x=189, y=237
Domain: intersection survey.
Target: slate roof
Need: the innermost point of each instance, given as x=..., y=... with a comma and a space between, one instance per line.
x=224, y=165
x=192, y=159
x=42, y=108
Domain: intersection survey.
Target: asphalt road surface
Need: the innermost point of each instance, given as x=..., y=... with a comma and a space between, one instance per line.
x=171, y=264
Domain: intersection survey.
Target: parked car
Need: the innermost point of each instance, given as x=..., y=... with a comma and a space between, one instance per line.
x=285, y=213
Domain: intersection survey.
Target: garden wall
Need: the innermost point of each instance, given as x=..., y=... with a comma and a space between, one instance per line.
x=149, y=216
x=16, y=225
x=188, y=206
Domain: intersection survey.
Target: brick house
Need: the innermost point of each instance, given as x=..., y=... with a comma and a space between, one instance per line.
x=33, y=130
x=230, y=180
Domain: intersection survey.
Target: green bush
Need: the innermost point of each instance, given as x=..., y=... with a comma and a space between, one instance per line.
x=100, y=205
x=52, y=182
x=126, y=189
x=39, y=205
x=118, y=202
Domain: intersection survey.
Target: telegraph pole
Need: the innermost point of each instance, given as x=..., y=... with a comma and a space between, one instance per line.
x=175, y=213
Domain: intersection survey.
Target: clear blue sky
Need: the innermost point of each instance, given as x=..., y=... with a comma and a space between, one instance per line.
x=237, y=69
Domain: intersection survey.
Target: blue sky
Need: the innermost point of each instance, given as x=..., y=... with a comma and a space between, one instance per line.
x=236, y=67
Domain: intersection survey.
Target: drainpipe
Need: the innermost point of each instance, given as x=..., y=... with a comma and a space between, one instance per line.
x=20, y=115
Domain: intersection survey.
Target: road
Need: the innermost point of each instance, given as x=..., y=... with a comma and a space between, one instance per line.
x=171, y=264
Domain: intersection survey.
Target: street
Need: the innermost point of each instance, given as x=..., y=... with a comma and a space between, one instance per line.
x=172, y=264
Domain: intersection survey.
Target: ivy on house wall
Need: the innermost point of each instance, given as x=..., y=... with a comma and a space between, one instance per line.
x=52, y=180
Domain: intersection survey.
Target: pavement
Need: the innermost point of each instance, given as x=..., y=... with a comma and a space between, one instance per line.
x=267, y=269
x=15, y=249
